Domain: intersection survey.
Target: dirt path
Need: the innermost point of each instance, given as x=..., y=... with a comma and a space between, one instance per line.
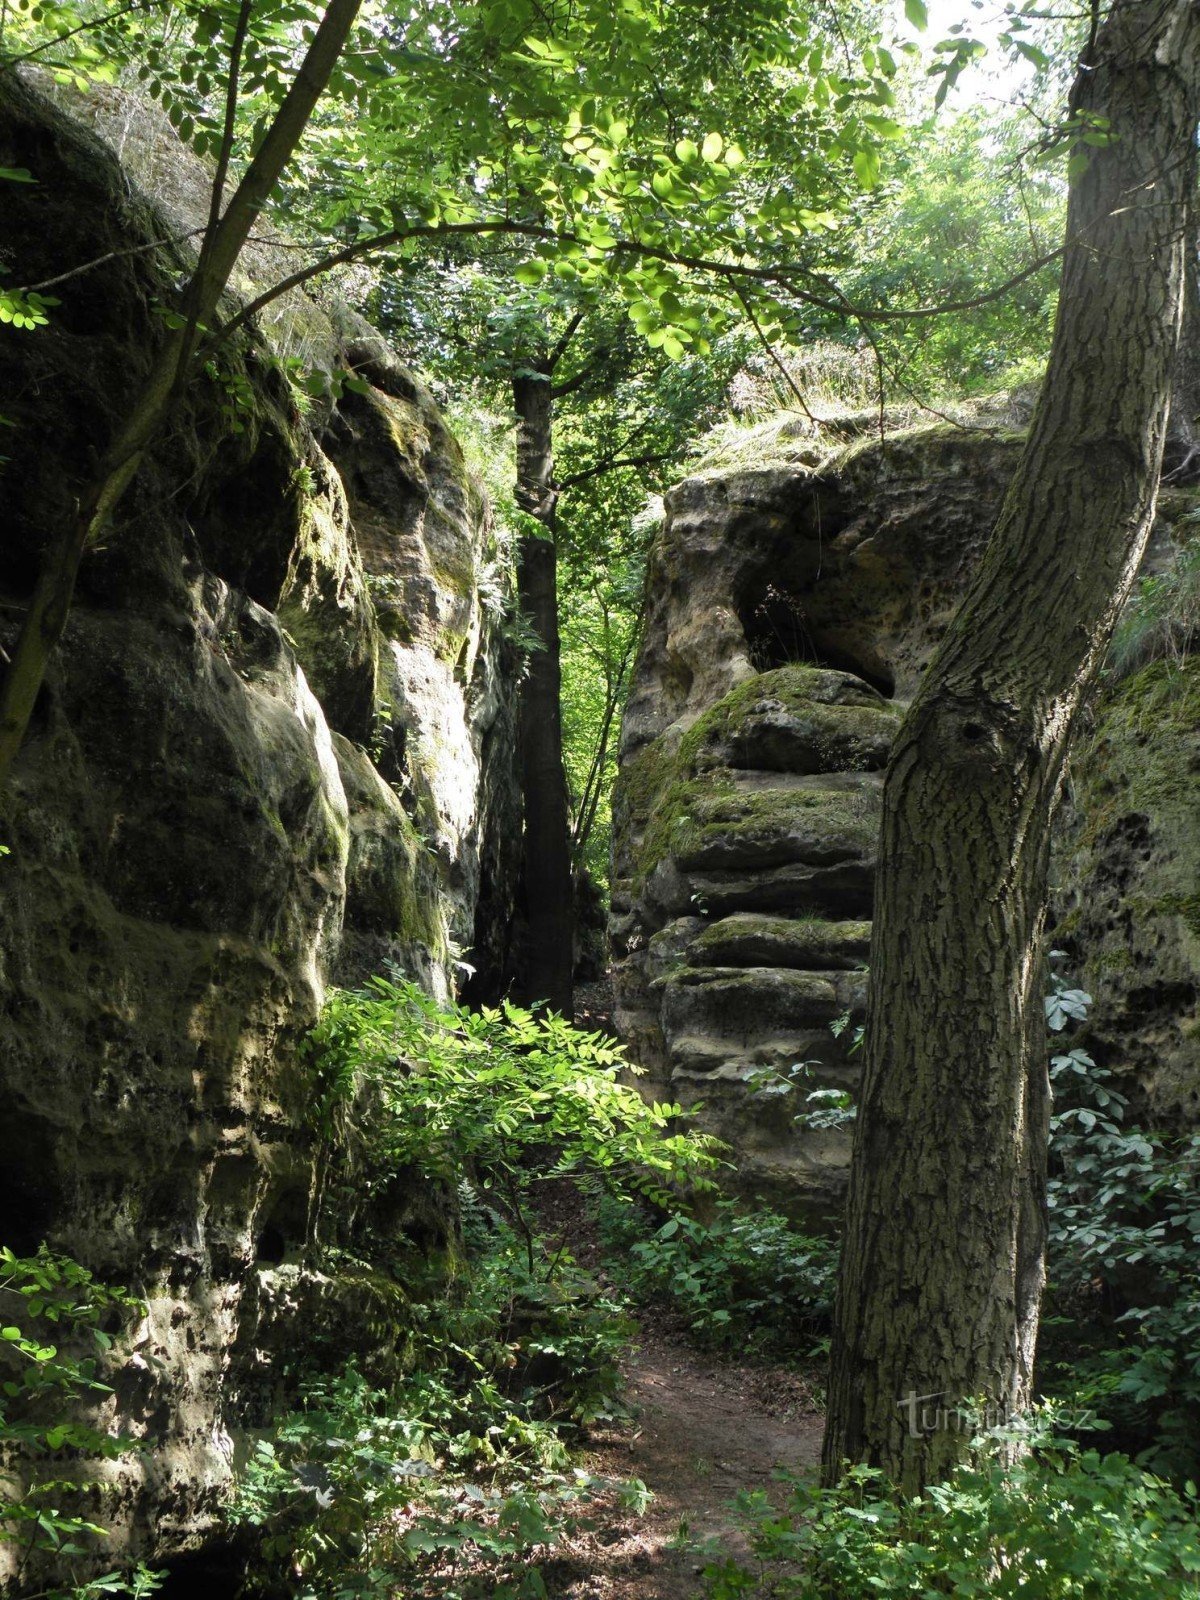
x=704, y=1430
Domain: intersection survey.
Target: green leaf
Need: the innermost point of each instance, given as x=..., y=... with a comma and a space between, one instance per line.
x=917, y=13
x=866, y=167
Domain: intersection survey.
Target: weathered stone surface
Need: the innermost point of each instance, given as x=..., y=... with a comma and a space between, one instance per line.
x=273, y=749
x=797, y=719
x=1128, y=866
x=745, y=940
x=851, y=560
x=782, y=604
x=785, y=607
x=732, y=1002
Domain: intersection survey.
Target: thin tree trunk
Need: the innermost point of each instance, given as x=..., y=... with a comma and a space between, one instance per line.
x=943, y=1256
x=50, y=604
x=1182, y=459
x=548, y=889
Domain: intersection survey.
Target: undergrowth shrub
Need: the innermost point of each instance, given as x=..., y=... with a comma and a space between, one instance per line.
x=1062, y=1524
x=744, y=1280
x=454, y=1477
x=57, y=1327
x=457, y=1478
x=1159, y=621
x=1121, y=1327
x=505, y=1097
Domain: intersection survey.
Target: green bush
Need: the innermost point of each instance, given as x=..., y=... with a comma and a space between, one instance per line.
x=56, y=1328
x=1060, y=1525
x=1159, y=620
x=1124, y=1245
x=504, y=1097
x=453, y=1480
x=744, y=1280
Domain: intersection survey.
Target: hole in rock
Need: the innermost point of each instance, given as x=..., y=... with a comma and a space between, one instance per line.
x=283, y=1228
x=782, y=627
x=28, y=1194
x=219, y=1569
x=256, y=493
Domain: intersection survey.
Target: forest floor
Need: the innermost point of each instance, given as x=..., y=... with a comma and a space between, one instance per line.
x=703, y=1429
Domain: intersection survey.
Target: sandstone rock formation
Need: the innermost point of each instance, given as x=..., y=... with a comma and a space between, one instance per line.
x=791, y=609
x=275, y=749
x=1128, y=890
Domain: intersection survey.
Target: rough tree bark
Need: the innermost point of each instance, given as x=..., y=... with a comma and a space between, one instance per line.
x=943, y=1256
x=550, y=947
x=50, y=604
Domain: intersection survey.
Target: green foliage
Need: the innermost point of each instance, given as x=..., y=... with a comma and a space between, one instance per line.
x=745, y=1280
x=1159, y=620
x=58, y=1325
x=452, y=1481
x=1059, y=1525
x=1122, y=1328
x=24, y=309
x=964, y=213
x=452, y=1478
x=503, y=1096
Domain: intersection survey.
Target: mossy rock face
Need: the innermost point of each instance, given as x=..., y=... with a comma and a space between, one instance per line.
x=796, y=719
x=815, y=945
x=745, y=849
x=395, y=913
x=765, y=828
x=1129, y=885
x=325, y=605
x=743, y=1002
x=791, y=594
x=691, y=805
x=200, y=836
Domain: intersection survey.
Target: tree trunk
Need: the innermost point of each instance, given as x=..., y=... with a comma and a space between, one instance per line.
x=943, y=1256
x=1181, y=461
x=550, y=953
x=50, y=604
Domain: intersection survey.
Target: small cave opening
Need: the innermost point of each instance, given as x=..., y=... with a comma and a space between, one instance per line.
x=782, y=627
x=248, y=520
x=282, y=1229
x=29, y=1198
x=222, y=1567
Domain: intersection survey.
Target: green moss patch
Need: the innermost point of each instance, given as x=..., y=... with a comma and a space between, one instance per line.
x=747, y=939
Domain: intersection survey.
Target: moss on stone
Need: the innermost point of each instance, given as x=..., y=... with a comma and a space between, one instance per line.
x=674, y=827
x=1186, y=906
x=808, y=944
x=796, y=718
x=680, y=803
x=387, y=887
x=796, y=687
x=1147, y=736
x=764, y=827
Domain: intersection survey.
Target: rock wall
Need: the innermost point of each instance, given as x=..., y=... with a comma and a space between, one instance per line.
x=274, y=750
x=791, y=609
x=1128, y=882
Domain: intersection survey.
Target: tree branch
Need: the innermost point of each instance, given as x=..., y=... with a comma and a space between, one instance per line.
x=612, y=464
x=568, y=333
